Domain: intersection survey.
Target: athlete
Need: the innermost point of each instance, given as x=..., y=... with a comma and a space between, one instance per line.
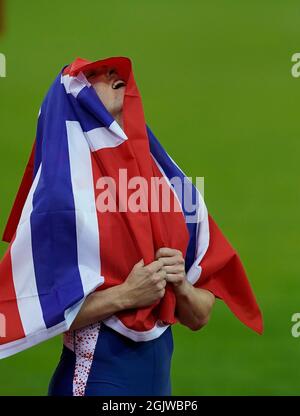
x=97, y=360
x=113, y=282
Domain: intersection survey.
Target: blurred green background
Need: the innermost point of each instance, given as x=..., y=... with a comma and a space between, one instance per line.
x=215, y=78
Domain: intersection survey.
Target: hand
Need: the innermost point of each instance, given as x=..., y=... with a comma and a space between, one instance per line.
x=145, y=284
x=173, y=264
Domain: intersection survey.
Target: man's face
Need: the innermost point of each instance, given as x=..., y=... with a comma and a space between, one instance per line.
x=110, y=87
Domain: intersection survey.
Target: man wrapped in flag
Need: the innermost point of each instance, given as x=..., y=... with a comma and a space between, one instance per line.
x=110, y=243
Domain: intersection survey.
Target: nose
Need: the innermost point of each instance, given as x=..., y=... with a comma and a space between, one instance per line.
x=111, y=74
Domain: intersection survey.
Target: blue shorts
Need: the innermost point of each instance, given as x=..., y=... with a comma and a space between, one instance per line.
x=98, y=361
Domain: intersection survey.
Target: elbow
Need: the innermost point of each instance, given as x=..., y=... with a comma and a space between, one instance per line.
x=199, y=316
x=201, y=321
x=199, y=324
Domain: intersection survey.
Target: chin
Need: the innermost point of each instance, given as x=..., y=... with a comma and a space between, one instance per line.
x=116, y=111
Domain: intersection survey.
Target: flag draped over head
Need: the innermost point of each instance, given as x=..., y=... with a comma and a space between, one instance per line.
x=63, y=247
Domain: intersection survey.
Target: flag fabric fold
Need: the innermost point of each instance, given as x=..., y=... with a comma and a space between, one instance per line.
x=62, y=247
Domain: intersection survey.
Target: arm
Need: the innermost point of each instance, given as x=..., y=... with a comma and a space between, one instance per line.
x=99, y=305
x=193, y=305
x=143, y=286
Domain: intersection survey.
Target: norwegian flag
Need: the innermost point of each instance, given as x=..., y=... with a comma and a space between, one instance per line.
x=62, y=248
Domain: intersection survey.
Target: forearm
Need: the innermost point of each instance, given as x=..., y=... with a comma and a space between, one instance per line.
x=144, y=286
x=193, y=305
x=100, y=305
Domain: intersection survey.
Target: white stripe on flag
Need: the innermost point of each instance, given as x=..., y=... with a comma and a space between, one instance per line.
x=88, y=241
x=102, y=137
x=116, y=129
x=202, y=244
x=73, y=85
x=23, y=270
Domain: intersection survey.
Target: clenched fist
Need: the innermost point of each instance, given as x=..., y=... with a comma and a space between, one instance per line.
x=145, y=284
x=173, y=265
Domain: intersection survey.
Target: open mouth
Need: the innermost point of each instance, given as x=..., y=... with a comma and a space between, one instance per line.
x=118, y=84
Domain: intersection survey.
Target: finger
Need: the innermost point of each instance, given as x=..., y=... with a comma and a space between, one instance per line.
x=167, y=252
x=155, y=266
x=164, y=283
x=168, y=261
x=176, y=268
x=175, y=278
x=163, y=274
x=162, y=293
x=160, y=275
x=161, y=284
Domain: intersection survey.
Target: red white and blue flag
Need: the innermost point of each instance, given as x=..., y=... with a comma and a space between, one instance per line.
x=62, y=248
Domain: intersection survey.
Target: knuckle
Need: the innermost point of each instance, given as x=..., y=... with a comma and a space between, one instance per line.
x=160, y=262
x=160, y=285
x=180, y=258
x=159, y=251
x=154, y=278
x=147, y=270
x=161, y=293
